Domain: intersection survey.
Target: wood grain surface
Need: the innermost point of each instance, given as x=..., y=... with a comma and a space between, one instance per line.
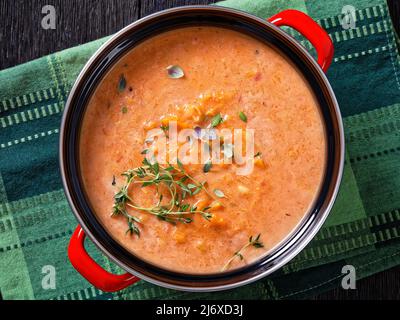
x=78, y=21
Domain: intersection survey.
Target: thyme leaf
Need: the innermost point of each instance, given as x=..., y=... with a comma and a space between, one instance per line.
x=121, y=83
x=219, y=193
x=216, y=120
x=175, y=72
x=242, y=116
x=207, y=166
x=253, y=241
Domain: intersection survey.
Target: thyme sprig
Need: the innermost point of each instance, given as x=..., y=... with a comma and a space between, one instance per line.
x=253, y=241
x=177, y=181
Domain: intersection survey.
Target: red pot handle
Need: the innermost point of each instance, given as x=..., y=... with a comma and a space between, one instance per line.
x=90, y=270
x=309, y=29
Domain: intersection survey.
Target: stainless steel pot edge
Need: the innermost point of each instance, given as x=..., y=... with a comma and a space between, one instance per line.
x=305, y=240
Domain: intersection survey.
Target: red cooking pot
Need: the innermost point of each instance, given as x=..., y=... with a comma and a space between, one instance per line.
x=265, y=31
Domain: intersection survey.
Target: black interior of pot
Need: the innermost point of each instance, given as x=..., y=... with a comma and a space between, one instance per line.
x=136, y=33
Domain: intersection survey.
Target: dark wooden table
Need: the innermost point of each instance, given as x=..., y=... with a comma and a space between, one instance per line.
x=78, y=21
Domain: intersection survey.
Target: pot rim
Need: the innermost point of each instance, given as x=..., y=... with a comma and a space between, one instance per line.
x=322, y=215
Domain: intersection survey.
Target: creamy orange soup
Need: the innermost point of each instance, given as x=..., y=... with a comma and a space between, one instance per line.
x=220, y=79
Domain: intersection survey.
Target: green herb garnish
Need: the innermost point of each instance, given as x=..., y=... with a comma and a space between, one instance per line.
x=121, y=83
x=165, y=128
x=242, y=116
x=255, y=242
x=175, y=72
x=216, y=120
x=219, y=193
x=207, y=166
x=179, y=184
x=132, y=228
x=124, y=109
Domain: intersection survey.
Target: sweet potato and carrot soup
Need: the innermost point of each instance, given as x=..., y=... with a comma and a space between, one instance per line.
x=202, y=149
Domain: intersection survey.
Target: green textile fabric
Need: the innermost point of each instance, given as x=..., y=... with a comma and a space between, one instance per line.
x=364, y=226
